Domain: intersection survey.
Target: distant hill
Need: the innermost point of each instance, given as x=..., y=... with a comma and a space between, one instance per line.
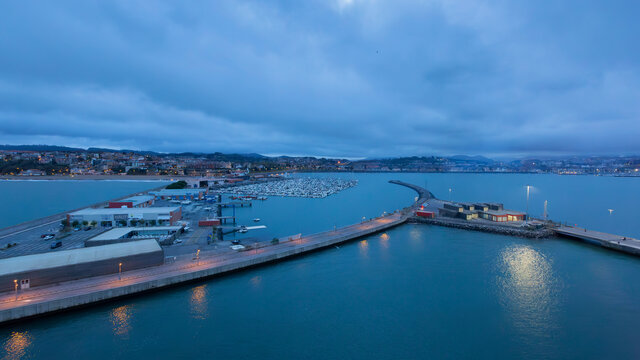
x=38, y=148
x=477, y=158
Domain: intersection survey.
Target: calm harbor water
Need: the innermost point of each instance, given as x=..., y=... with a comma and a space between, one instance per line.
x=34, y=199
x=416, y=291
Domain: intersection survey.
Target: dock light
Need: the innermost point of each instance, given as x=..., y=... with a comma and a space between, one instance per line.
x=119, y=271
x=15, y=284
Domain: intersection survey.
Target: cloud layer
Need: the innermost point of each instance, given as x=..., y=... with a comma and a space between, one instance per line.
x=351, y=78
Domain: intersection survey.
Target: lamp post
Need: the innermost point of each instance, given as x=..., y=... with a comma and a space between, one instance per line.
x=528, y=191
x=119, y=271
x=450, y=194
x=15, y=284
x=198, y=257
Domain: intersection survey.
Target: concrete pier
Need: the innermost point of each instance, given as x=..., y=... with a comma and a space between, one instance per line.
x=63, y=296
x=610, y=241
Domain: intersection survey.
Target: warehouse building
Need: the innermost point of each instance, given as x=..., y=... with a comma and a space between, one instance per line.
x=180, y=194
x=54, y=267
x=133, y=202
x=128, y=216
x=164, y=235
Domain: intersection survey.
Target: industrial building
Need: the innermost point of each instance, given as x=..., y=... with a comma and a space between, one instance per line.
x=133, y=202
x=23, y=272
x=127, y=216
x=488, y=211
x=164, y=235
x=180, y=194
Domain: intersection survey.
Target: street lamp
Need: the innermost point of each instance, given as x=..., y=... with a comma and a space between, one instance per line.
x=119, y=271
x=198, y=257
x=15, y=284
x=610, y=211
x=450, y=189
x=528, y=191
x=363, y=218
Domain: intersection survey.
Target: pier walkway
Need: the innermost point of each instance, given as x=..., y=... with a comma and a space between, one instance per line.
x=67, y=295
x=611, y=241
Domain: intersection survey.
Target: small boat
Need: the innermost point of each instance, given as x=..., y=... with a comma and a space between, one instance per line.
x=242, y=231
x=256, y=220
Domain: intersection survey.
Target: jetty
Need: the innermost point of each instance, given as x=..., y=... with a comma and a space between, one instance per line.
x=615, y=242
x=63, y=296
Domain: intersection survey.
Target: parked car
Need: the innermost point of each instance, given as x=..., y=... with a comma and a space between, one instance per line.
x=88, y=228
x=76, y=229
x=49, y=237
x=56, y=244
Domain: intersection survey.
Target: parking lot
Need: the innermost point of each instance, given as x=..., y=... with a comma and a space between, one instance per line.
x=30, y=241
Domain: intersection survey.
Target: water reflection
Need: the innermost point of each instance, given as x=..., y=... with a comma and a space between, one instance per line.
x=363, y=246
x=120, y=319
x=198, y=302
x=16, y=345
x=528, y=288
x=384, y=240
x=416, y=238
x=256, y=281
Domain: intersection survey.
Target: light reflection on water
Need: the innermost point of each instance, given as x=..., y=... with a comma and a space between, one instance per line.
x=199, y=303
x=16, y=345
x=528, y=288
x=384, y=240
x=120, y=319
x=256, y=281
x=363, y=246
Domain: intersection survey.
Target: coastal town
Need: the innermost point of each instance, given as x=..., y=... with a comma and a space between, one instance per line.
x=35, y=161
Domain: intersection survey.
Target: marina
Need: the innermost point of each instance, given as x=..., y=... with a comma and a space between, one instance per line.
x=298, y=187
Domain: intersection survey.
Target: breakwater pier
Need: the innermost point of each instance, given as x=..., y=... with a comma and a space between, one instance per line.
x=615, y=242
x=71, y=294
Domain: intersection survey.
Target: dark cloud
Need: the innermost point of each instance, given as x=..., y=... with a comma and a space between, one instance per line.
x=337, y=78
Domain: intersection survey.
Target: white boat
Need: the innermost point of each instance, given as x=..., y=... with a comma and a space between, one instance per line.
x=256, y=220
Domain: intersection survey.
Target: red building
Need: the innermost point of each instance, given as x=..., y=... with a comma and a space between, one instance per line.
x=425, y=214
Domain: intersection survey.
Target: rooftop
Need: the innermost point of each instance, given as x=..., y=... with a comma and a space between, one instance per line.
x=118, y=233
x=177, y=191
x=503, y=212
x=138, y=199
x=19, y=264
x=132, y=212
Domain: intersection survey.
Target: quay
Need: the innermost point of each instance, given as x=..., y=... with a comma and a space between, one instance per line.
x=48, y=299
x=610, y=241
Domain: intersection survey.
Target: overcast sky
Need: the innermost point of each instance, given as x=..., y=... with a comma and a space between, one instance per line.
x=351, y=78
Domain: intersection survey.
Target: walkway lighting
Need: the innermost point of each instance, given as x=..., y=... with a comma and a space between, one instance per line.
x=119, y=271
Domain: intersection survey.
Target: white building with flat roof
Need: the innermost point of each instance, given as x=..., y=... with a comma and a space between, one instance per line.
x=180, y=194
x=127, y=216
